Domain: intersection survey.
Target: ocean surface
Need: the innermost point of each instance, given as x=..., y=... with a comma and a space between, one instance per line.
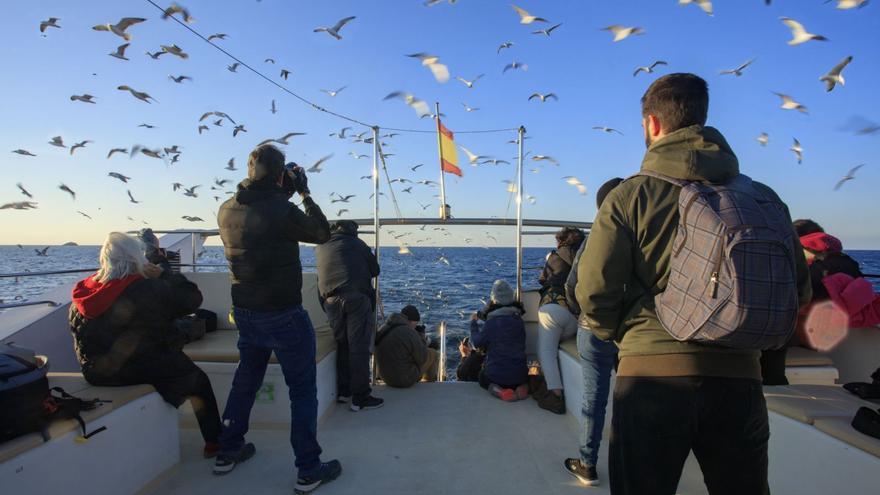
x=441, y=291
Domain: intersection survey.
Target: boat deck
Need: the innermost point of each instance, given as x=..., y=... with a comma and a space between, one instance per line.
x=435, y=438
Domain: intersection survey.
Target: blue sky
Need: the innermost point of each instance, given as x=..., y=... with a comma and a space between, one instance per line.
x=591, y=74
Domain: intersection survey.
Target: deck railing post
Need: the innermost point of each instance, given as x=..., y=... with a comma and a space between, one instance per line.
x=519, y=218
x=441, y=366
x=376, y=151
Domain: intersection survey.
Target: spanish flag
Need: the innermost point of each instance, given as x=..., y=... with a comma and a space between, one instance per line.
x=448, y=154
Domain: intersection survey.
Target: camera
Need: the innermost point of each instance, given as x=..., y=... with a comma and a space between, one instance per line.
x=295, y=180
x=420, y=329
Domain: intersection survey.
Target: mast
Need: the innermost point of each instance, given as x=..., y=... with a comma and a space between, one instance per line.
x=519, y=218
x=440, y=151
x=376, y=151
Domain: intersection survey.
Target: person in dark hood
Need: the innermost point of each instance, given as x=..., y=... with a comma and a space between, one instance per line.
x=505, y=373
x=346, y=267
x=261, y=231
x=402, y=353
x=556, y=322
x=122, y=320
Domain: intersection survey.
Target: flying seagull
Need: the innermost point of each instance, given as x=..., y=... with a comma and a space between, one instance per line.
x=218, y=36
x=148, y=126
x=177, y=9
x=546, y=32
x=137, y=94
x=418, y=105
x=131, y=198
x=764, y=138
x=273, y=109
x=706, y=5
x=57, y=141
x=340, y=212
x=316, y=168
x=469, y=84
x=155, y=56
x=343, y=199
x=85, y=98
x=68, y=190
x=81, y=144
x=574, y=181
x=514, y=66
x=738, y=71
x=468, y=108
x=649, y=69
x=23, y=152
x=835, y=75
x=237, y=129
x=849, y=4
x=283, y=139
x=120, y=52
x=797, y=150
x=334, y=31
x=543, y=97
x=217, y=113
x=19, y=205
x=174, y=50
x=333, y=93
x=502, y=46
x=526, y=18
x=285, y=74
x=609, y=130
x=50, y=22
x=191, y=219
x=621, y=32
x=119, y=28
x=432, y=62
x=191, y=191
x=799, y=34
x=472, y=158
x=230, y=165
x=42, y=252
x=179, y=79
x=789, y=104
x=539, y=158
x=117, y=175
x=84, y=214
x=203, y=128
x=24, y=191
x=849, y=176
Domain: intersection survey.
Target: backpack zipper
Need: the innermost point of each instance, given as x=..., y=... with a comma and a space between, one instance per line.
x=714, y=278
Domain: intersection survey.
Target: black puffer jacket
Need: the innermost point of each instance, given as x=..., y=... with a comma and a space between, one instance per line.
x=139, y=321
x=345, y=264
x=261, y=231
x=555, y=273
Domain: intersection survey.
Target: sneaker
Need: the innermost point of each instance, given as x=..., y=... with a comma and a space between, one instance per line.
x=505, y=394
x=553, y=403
x=211, y=450
x=343, y=399
x=327, y=472
x=369, y=403
x=522, y=392
x=586, y=474
x=226, y=462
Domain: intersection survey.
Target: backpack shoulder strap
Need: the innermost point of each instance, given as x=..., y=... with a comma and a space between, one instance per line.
x=657, y=175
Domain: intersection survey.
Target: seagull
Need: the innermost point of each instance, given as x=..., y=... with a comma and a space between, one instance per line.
x=272, y=109
x=543, y=97
x=23, y=152
x=316, y=168
x=506, y=44
x=849, y=4
x=218, y=114
x=179, y=79
x=609, y=130
x=539, y=158
x=340, y=212
x=334, y=31
x=416, y=167
x=798, y=33
x=42, y=252
x=233, y=67
x=191, y=191
x=120, y=52
x=84, y=214
x=218, y=36
x=174, y=50
x=145, y=151
x=148, y=126
x=649, y=69
x=131, y=198
x=531, y=199
x=494, y=161
x=172, y=150
x=546, y=32
x=175, y=158
x=428, y=183
x=51, y=22
x=469, y=108
x=798, y=150
x=343, y=199
x=764, y=138
x=418, y=105
x=117, y=175
x=57, y=141
x=283, y=139
x=177, y=9
x=849, y=175
x=285, y=73
x=237, y=129
x=221, y=183
x=230, y=165
x=365, y=177
x=137, y=94
x=24, y=191
x=407, y=190
x=191, y=219
x=81, y=144
x=155, y=56
x=176, y=186
x=789, y=104
x=432, y=62
x=68, y=190
x=269, y=61
x=356, y=156
x=835, y=76
x=706, y=5
x=472, y=158
x=621, y=33
x=738, y=71
x=515, y=65
x=574, y=181
x=341, y=133
x=333, y=93
x=469, y=84
x=19, y=205
x=526, y=18
x=85, y=98
x=203, y=128
x=119, y=28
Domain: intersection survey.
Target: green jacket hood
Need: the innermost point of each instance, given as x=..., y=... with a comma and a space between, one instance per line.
x=694, y=153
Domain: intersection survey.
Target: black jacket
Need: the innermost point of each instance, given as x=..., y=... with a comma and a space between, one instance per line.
x=555, y=273
x=261, y=231
x=345, y=264
x=139, y=323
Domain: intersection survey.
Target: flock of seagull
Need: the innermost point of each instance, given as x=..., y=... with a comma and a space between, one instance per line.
x=441, y=73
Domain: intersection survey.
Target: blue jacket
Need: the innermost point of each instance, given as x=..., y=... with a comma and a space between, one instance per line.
x=504, y=338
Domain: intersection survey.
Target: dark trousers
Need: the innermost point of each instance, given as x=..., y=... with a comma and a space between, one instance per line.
x=485, y=381
x=290, y=335
x=176, y=378
x=658, y=421
x=773, y=367
x=351, y=318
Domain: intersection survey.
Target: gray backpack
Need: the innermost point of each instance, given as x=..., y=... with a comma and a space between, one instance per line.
x=732, y=279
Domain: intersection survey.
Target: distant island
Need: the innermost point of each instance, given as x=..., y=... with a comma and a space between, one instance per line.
x=71, y=243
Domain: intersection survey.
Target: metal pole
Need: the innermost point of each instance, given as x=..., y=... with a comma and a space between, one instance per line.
x=376, y=151
x=519, y=218
x=441, y=367
x=442, y=174
x=194, y=249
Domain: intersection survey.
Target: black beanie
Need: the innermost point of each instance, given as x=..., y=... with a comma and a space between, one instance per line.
x=605, y=189
x=411, y=313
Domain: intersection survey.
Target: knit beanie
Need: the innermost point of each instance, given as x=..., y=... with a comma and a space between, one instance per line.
x=502, y=294
x=411, y=313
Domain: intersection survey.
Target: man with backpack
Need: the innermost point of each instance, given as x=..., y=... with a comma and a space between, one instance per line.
x=692, y=269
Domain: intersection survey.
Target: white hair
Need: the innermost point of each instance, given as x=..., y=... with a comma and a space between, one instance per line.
x=121, y=255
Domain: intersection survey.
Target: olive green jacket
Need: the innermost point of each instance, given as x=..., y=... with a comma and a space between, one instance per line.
x=626, y=261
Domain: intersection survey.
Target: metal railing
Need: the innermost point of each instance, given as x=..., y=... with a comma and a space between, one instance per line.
x=29, y=303
x=441, y=366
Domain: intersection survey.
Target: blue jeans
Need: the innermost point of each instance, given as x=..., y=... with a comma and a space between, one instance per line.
x=290, y=334
x=597, y=360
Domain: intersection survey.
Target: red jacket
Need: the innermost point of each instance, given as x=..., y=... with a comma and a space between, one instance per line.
x=855, y=296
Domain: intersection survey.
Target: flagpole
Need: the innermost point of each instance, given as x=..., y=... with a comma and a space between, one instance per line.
x=519, y=219
x=440, y=150
x=376, y=227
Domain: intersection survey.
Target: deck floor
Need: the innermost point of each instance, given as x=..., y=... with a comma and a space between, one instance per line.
x=438, y=438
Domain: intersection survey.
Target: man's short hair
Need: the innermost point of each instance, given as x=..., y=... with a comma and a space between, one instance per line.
x=677, y=100
x=265, y=162
x=804, y=226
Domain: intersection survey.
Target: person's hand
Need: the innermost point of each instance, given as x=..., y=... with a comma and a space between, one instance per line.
x=463, y=349
x=152, y=271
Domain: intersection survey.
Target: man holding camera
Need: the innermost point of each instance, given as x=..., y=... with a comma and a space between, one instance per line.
x=261, y=231
x=403, y=354
x=346, y=267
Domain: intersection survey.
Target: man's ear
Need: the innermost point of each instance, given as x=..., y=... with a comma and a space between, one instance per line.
x=654, y=126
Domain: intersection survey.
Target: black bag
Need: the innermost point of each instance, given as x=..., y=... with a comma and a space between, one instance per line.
x=24, y=388
x=209, y=317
